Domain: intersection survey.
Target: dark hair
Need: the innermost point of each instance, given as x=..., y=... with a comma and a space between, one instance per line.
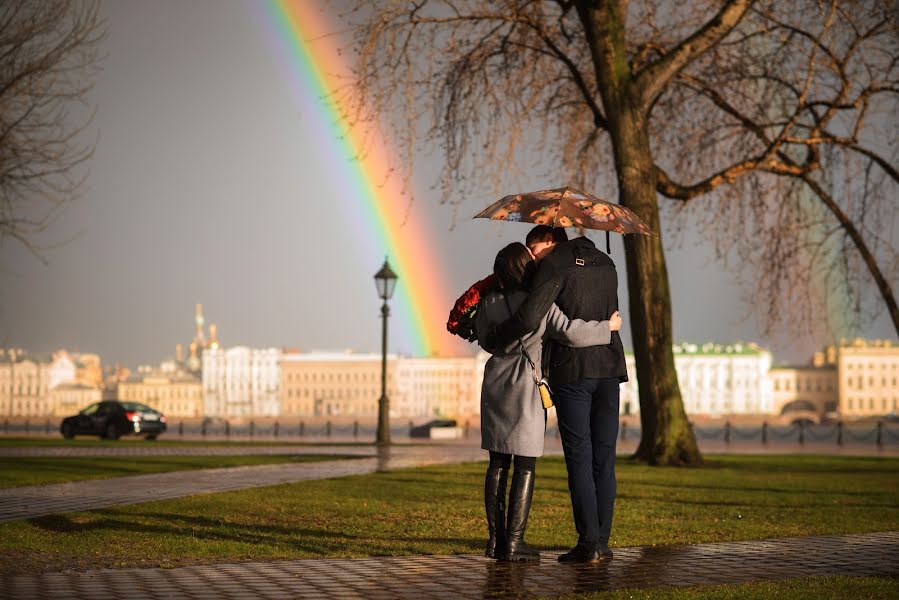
x=511, y=264
x=539, y=233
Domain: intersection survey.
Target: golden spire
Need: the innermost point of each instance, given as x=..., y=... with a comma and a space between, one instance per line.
x=200, y=335
x=213, y=336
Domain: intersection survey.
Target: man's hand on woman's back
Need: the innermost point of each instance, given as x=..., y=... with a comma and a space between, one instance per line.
x=615, y=321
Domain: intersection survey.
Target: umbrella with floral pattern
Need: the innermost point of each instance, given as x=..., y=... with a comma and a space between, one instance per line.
x=565, y=207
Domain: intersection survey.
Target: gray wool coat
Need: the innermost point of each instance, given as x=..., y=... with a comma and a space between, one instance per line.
x=513, y=420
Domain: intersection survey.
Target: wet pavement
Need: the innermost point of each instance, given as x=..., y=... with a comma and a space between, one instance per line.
x=470, y=576
x=40, y=500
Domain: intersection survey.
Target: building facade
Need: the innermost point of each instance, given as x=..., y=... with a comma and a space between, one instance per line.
x=174, y=393
x=808, y=389
x=868, y=377
x=66, y=399
x=437, y=387
x=241, y=382
x=333, y=384
x=714, y=379
x=349, y=385
x=24, y=383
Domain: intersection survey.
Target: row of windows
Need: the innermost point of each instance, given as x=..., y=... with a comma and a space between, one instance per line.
x=883, y=366
x=30, y=389
x=859, y=383
x=339, y=377
x=871, y=403
x=819, y=385
x=339, y=393
x=240, y=386
x=157, y=394
x=331, y=409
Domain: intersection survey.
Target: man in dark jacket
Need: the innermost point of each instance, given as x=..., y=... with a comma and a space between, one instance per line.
x=583, y=282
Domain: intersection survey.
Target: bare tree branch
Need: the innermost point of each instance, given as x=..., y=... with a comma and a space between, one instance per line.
x=48, y=56
x=653, y=78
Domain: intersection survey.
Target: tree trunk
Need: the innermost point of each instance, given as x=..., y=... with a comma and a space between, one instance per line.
x=667, y=437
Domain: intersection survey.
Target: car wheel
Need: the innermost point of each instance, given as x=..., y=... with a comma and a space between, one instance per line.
x=111, y=432
x=68, y=432
x=151, y=437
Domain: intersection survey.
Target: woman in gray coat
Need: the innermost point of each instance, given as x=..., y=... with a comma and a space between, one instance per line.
x=513, y=420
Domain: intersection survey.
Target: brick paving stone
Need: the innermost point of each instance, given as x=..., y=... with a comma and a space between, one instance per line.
x=473, y=576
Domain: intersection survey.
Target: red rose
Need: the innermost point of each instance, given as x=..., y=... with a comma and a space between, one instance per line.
x=460, y=320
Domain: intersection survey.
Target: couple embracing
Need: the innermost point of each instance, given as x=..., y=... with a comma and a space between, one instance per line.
x=552, y=310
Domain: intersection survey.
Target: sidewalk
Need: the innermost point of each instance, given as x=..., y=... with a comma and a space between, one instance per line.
x=471, y=576
x=39, y=500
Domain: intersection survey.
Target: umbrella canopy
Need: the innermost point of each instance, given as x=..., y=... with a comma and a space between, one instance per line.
x=565, y=207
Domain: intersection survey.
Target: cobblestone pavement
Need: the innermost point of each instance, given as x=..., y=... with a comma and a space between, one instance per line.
x=470, y=576
x=40, y=500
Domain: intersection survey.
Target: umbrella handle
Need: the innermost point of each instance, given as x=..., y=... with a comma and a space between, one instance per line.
x=608, y=247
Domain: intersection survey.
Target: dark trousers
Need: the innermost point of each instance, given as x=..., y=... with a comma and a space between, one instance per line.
x=588, y=424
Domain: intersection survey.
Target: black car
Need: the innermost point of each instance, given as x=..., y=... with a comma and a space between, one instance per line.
x=424, y=431
x=111, y=419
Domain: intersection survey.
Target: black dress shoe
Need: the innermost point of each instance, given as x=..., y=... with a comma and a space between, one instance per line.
x=583, y=554
x=603, y=549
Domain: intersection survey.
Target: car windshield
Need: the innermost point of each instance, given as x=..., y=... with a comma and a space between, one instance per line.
x=136, y=407
x=90, y=409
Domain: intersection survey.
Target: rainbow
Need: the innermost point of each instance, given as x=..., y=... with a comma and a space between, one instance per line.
x=385, y=225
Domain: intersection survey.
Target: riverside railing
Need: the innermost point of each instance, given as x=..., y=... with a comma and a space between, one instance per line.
x=839, y=434
x=281, y=429
x=881, y=434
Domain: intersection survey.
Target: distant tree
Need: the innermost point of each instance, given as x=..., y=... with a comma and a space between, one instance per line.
x=771, y=125
x=48, y=58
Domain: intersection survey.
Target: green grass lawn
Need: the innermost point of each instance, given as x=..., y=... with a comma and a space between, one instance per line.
x=806, y=588
x=437, y=510
x=15, y=472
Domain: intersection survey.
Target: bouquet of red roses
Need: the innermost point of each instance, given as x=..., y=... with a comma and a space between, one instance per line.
x=461, y=318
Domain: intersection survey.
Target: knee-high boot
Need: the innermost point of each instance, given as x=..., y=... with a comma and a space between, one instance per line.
x=495, y=505
x=520, y=495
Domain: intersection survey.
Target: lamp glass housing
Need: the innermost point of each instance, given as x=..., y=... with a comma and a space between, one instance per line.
x=385, y=280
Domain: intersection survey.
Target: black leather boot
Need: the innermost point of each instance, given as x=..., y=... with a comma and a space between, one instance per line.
x=520, y=495
x=495, y=505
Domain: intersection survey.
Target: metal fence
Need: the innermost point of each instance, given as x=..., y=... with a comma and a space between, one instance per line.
x=880, y=435
x=839, y=434
x=293, y=429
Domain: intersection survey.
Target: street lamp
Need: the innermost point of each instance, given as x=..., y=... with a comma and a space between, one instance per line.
x=385, y=280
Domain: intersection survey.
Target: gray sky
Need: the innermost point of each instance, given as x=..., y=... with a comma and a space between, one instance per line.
x=204, y=176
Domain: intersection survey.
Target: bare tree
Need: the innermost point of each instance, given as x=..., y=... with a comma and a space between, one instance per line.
x=762, y=121
x=48, y=58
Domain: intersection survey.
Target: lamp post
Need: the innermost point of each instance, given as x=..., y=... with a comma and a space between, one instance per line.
x=385, y=279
